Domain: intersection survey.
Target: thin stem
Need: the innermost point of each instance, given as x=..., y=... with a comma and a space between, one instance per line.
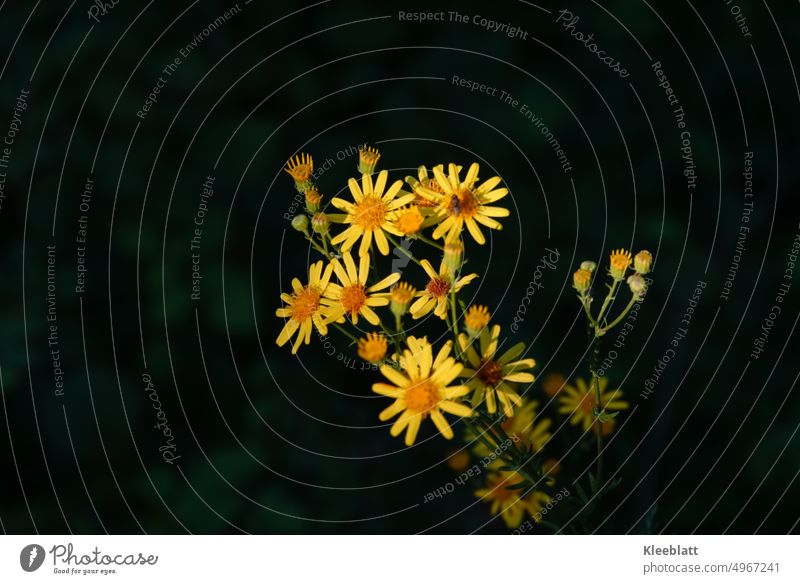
x=598, y=426
x=609, y=297
x=345, y=332
x=585, y=302
x=324, y=238
x=317, y=246
x=389, y=334
x=410, y=255
x=622, y=315
x=398, y=325
x=454, y=322
x=430, y=242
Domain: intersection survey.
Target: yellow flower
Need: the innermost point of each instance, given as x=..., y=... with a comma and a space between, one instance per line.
x=368, y=159
x=460, y=203
x=423, y=389
x=304, y=308
x=458, y=461
x=476, y=319
x=300, y=168
x=368, y=215
x=578, y=402
x=490, y=378
x=526, y=428
x=619, y=262
x=313, y=199
x=581, y=280
x=425, y=182
x=435, y=295
x=372, y=348
x=352, y=296
x=401, y=296
x=553, y=383
x=510, y=503
x=408, y=220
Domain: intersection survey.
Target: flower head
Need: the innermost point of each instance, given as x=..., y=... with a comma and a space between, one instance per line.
x=435, y=296
x=578, y=401
x=300, y=168
x=620, y=260
x=453, y=255
x=368, y=159
x=588, y=265
x=408, y=220
x=581, y=280
x=369, y=213
x=422, y=389
x=313, y=199
x=373, y=347
x=490, y=377
x=303, y=307
x=476, y=319
x=642, y=262
x=460, y=203
x=352, y=296
x=424, y=182
x=401, y=296
x=553, y=383
x=458, y=460
x=526, y=428
x=320, y=222
x=637, y=285
x=511, y=503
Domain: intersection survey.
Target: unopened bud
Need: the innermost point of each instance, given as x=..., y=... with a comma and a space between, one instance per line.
x=589, y=266
x=368, y=159
x=313, y=199
x=320, y=223
x=643, y=261
x=300, y=223
x=581, y=280
x=453, y=256
x=637, y=285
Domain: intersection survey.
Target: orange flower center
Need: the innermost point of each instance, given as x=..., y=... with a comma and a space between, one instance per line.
x=422, y=397
x=305, y=304
x=587, y=404
x=353, y=298
x=410, y=221
x=463, y=203
x=438, y=287
x=490, y=372
x=369, y=212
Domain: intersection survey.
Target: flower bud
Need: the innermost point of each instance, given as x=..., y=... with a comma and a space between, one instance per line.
x=300, y=223
x=581, y=280
x=637, y=285
x=320, y=223
x=453, y=255
x=476, y=319
x=368, y=159
x=300, y=168
x=313, y=199
x=372, y=348
x=620, y=261
x=401, y=296
x=642, y=262
x=589, y=266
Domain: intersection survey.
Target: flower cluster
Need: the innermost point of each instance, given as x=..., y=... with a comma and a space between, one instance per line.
x=468, y=379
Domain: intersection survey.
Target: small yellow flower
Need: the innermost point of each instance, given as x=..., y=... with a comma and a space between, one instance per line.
x=300, y=168
x=460, y=203
x=551, y=467
x=426, y=182
x=458, y=460
x=642, y=262
x=553, y=383
x=313, y=199
x=423, y=389
x=476, y=319
x=408, y=220
x=401, y=296
x=581, y=280
x=304, y=308
x=372, y=348
x=510, y=503
x=526, y=429
x=368, y=159
x=490, y=377
x=368, y=214
x=620, y=261
x=352, y=296
x=435, y=296
x=578, y=402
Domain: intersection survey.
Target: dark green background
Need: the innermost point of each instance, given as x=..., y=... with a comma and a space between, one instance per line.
x=282, y=444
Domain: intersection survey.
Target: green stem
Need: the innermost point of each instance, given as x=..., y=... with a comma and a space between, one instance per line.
x=454, y=322
x=345, y=332
x=398, y=326
x=609, y=297
x=317, y=246
x=585, y=302
x=389, y=334
x=430, y=242
x=622, y=315
x=598, y=426
x=410, y=255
